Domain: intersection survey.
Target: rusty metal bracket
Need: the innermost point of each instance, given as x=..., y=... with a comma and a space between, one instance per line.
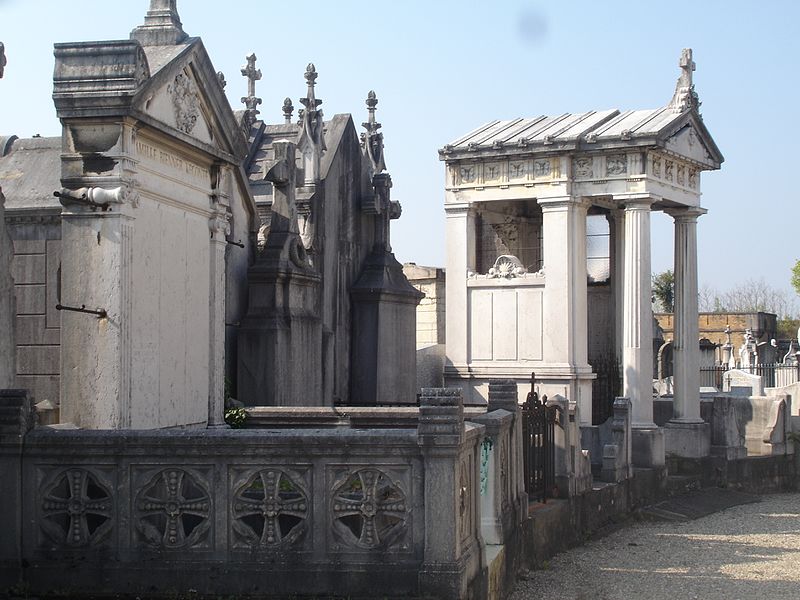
x=100, y=312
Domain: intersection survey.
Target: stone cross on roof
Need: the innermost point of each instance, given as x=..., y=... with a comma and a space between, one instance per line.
x=685, y=97
x=373, y=140
x=251, y=101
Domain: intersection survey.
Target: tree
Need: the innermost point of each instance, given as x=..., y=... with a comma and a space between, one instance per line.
x=796, y=277
x=664, y=291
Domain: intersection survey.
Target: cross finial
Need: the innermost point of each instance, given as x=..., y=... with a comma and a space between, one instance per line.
x=251, y=101
x=685, y=97
x=288, y=109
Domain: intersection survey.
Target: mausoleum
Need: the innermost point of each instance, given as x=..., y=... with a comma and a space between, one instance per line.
x=519, y=195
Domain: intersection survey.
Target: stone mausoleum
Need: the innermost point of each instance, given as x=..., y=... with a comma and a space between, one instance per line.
x=521, y=262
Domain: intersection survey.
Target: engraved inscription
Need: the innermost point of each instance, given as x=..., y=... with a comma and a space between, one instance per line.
x=170, y=160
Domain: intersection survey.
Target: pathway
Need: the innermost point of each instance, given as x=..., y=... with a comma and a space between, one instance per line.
x=745, y=552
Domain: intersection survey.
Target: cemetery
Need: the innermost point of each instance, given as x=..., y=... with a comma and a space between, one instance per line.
x=403, y=431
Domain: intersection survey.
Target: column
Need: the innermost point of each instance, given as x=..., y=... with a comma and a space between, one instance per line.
x=637, y=352
x=460, y=245
x=686, y=357
x=565, y=320
x=616, y=221
x=220, y=228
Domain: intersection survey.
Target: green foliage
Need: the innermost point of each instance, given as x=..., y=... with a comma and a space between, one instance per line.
x=235, y=417
x=787, y=328
x=796, y=277
x=664, y=291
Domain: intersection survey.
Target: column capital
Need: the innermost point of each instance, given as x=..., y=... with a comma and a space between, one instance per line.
x=686, y=213
x=558, y=203
x=636, y=201
x=457, y=208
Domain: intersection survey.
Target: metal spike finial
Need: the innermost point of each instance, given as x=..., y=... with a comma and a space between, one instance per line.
x=288, y=109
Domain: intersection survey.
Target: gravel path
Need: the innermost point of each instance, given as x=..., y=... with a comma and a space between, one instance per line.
x=747, y=552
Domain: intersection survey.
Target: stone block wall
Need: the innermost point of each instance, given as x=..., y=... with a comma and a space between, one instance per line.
x=35, y=267
x=431, y=309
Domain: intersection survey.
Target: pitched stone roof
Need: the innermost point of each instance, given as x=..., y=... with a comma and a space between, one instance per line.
x=30, y=171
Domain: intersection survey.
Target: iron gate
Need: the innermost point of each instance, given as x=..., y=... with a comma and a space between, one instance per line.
x=538, y=434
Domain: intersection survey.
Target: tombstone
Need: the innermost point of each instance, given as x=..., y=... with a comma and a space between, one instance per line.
x=738, y=382
x=151, y=190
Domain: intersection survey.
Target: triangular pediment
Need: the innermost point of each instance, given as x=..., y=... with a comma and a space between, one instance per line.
x=186, y=96
x=689, y=138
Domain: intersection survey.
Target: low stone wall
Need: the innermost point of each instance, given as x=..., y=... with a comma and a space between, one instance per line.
x=268, y=512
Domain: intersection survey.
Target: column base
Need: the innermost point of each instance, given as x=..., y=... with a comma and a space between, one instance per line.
x=647, y=447
x=687, y=440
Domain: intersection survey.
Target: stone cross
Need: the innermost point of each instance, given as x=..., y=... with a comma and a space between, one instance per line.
x=311, y=141
x=251, y=101
x=687, y=65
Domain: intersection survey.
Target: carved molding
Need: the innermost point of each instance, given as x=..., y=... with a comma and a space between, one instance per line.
x=270, y=510
x=173, y=509
x=77, y=508
x=369, y=510
x=185, y=103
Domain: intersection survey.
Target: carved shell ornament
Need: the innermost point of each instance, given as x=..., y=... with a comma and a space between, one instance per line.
x=184, y=102
x=507, y=266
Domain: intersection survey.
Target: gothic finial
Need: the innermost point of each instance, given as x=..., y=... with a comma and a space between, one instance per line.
x=373, y=140
x=251, y=101
x=162, y=25
x=288, y=109
x=311, y=140
x=685, y=97
x=221, y=77
x=3, y=61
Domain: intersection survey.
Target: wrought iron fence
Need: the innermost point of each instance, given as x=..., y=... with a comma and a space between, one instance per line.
x=773, y=374
x=538, y=434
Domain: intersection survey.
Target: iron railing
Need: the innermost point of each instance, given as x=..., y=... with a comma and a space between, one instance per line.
x=773, y=374
x=538, y=434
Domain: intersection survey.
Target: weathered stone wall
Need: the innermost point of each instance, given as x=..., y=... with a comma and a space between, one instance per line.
x=7, y=306
x=712, y=326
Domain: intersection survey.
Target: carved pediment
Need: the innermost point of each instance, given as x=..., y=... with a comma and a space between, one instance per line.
x=690, y=143
x=179, y=103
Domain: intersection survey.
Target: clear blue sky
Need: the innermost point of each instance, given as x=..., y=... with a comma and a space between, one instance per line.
x=442, y=67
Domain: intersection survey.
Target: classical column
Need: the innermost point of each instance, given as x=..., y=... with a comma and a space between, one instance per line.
x=460, y=244
x=616, y=222
x=686, y=357
x=565, y=320
x=637, y=353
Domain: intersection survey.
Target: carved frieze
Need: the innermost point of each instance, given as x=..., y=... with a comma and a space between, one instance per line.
x=583, y=167
x=270, y=510
x=369, y=510
x=76, y=508
x=492, y=172
x=669, y=168
x=467, y=173
x=516, y=169
x=185, y=104
x=657, y=166
x=693, y=178
x=542, y=168
x=173, y=510
x=616, y=164
x=680, y=178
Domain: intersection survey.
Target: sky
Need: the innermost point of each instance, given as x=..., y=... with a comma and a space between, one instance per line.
x=440, y=68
